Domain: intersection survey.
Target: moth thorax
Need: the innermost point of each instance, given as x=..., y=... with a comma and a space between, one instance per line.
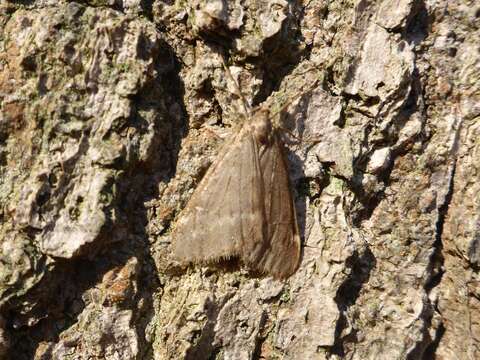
x=262, y=127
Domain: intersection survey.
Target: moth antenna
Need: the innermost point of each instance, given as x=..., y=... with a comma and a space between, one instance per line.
x=246, y=107
x=292, y=99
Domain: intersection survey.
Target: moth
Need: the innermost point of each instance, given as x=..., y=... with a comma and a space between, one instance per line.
x=243, y=207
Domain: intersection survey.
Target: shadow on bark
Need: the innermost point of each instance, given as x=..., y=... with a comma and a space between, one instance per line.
x=361, y=266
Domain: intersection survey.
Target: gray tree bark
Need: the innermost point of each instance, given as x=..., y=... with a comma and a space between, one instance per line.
x=112, y=111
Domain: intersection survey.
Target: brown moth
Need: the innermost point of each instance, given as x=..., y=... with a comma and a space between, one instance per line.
x=243, y=206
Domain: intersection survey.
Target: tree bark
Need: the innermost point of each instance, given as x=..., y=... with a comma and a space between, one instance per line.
x=111, y=113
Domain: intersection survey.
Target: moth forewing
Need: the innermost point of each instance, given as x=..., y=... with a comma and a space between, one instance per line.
x=279, y=255
x=217, y=219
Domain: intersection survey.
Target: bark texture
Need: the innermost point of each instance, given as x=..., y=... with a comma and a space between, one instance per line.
x=112, y=110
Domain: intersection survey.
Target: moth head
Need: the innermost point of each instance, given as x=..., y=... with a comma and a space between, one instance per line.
x=262, y=126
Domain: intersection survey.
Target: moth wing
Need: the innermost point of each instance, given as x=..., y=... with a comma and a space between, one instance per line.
x=226, y=210
x=279, y=253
